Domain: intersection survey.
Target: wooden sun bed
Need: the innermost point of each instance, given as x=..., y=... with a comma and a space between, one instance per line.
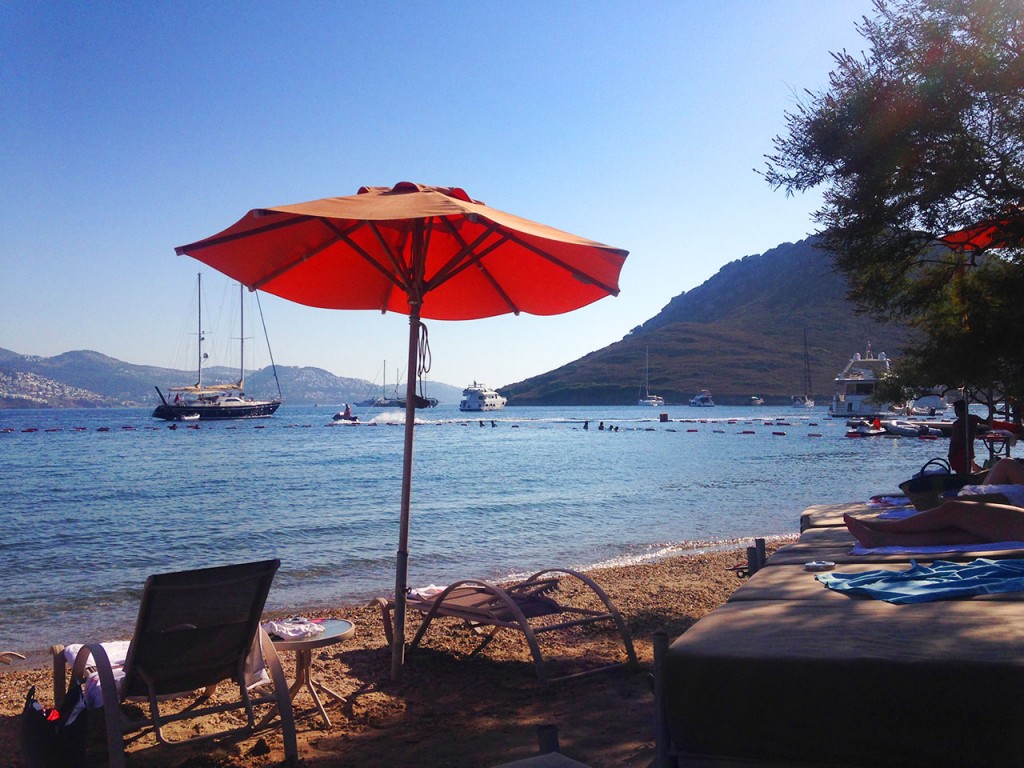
x=789, y=673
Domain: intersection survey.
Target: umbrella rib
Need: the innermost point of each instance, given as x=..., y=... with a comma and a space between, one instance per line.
x=510, y=236
x=184, y=250
x=343, y=235
x=459, y=262
x=258, y=284
x=579, y=275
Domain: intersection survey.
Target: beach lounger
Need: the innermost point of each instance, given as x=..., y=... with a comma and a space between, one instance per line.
x=788, y=672
x=194, y=629
x=527, y=606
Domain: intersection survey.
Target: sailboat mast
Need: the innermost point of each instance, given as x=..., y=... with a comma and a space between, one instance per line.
x=241, y=337
x=807, y=369
x=199, y=336
x=647, y=380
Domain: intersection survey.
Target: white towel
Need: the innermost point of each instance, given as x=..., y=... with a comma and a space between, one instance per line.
x=293, y=629
x=426, y=593
x=1014, y=493
x=117, y=651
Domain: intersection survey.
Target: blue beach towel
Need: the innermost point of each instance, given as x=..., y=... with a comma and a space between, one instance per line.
x=943, y=580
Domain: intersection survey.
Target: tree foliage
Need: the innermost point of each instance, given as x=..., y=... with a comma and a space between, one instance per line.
x=921, y=135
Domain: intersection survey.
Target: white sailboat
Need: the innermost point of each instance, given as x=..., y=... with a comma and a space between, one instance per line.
x=201, y=401
x=805, y=400
x=645, y=397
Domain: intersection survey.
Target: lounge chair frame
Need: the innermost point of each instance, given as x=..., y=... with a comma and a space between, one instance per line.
x=153, y=682
x=494, y=608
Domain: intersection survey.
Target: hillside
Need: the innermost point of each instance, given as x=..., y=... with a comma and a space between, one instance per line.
x=739, y=334
x=86, y=379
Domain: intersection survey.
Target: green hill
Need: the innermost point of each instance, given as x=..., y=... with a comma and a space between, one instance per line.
x=739, y=334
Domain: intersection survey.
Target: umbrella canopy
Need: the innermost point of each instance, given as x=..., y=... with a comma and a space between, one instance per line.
x=1005, y=231
x=385, y=248
x=429, y=252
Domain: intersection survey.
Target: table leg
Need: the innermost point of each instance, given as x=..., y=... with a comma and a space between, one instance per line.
x=304, y=677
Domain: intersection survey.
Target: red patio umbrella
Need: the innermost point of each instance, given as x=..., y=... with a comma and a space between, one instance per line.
x=988, y=234
x=429, y=252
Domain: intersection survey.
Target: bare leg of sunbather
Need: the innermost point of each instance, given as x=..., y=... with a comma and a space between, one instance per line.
x=952, y=522
x=1006, y=472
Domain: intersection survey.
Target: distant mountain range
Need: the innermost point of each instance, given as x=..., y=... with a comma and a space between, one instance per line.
x=739, y=334
x=91, y=380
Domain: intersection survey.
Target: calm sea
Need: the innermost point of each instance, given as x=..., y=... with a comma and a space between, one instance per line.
x=93, y=501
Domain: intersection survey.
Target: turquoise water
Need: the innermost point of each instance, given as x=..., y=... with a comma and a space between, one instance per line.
x=89, y=514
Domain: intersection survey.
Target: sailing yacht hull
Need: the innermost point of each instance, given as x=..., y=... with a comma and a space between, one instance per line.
x=240, y=409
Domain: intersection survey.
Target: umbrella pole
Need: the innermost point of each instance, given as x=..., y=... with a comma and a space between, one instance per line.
x=402, y=563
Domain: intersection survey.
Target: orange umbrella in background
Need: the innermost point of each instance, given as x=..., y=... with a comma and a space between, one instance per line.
x=428, y=252
x=999, y=232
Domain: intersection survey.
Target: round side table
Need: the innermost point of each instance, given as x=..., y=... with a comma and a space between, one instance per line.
x=335, y=631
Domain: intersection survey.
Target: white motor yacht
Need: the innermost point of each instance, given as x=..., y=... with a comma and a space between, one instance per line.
x=702, y=400
x=855, y=387
x=479, y=397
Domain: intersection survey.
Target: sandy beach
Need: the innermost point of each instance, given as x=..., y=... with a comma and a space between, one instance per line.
x=450, y=710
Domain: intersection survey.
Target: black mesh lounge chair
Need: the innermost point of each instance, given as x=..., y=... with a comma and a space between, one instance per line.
x=194, y=630
x=527, y=606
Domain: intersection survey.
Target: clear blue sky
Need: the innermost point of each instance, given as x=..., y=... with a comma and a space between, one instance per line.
x=128, y=128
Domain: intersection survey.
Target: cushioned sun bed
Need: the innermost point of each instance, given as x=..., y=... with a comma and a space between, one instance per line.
x=789, y=672
x=792, y=582
x=848, y=683
x=831, y=515
x=837, y=545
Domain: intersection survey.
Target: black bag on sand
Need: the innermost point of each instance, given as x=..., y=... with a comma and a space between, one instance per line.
x=54, y=738
x=925, y=488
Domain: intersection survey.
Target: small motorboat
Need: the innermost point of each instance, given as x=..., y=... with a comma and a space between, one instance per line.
x=865, y=429
x=909, y=429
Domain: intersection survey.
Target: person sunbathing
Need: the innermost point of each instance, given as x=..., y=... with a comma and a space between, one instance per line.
x=1006, y=472
x=955, y=521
